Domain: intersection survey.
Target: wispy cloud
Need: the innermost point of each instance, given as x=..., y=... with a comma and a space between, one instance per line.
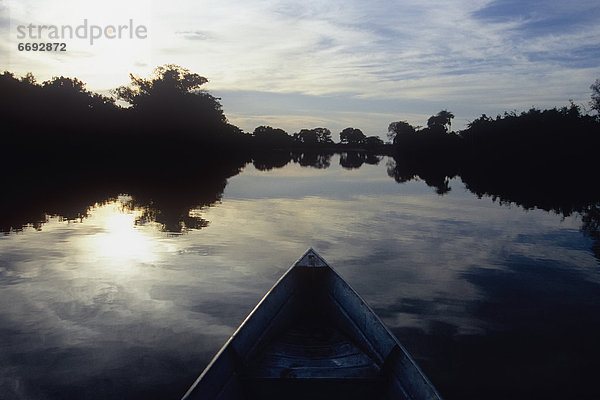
x=194, y=35
x=474, y=56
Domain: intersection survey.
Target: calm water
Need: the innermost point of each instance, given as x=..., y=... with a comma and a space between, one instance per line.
x=492, y=300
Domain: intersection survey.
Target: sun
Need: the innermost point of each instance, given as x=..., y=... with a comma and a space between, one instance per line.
x=100, y=42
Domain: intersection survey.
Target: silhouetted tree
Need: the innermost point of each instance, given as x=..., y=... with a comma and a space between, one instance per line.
x=60, y=82
x=29, y=79
x=351, y=136
x=60, y=105
x=479, y=123
x=400, y=129
x=548, y=132
x=440, y=121
x=168, y=81
x=372, y=141
x=595, y=103
x=272, y=137
x=170, y=101
x=69, y=96
x=313, y=136
x=16, y=94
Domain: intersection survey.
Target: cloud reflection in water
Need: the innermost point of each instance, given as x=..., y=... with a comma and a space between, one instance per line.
x=108, y=307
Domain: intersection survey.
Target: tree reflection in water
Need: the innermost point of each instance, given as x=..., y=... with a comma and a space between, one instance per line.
x=172, y=197
x=167, y=197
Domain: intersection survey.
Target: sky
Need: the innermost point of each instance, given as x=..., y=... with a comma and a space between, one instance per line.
x=332, y=64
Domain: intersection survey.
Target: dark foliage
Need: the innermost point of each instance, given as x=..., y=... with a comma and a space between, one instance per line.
x=400, y=130
x=313, y=136
x=352, y=159
x=316, y=159
x=268, y=160
x=441, y=121
x=171, y=104
x=549, y=153
x=595, y=102
x=428, y=153
x=538, y=151
x=69, y=149
x=352, y=136
x=372, y=141
x=268, y=137
x=542, y=159
x=60, y=105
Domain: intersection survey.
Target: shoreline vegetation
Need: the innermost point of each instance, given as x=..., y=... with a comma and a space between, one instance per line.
x=172, y=149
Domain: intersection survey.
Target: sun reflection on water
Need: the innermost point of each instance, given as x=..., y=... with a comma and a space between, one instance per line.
x=118, y=239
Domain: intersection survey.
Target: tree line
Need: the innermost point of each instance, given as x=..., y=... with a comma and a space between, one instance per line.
x=165, y=132
x=172, y=106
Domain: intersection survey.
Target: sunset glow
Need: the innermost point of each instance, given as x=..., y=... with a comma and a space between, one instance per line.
x=334, y=64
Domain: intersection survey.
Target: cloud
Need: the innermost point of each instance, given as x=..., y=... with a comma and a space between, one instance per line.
x=545, y=32
x=4, y=17
x=194, y=35
x=470, y=57
x=294, y=111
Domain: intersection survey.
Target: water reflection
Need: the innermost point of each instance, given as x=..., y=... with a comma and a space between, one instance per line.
x=591, y=226
x=164, y=197
x=404, y=170
x=119, y=241
x=355, y=159
x=469, y=286
x=313, y=159
x=176, y=201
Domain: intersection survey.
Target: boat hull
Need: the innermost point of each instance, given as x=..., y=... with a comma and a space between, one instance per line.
x=312, y=335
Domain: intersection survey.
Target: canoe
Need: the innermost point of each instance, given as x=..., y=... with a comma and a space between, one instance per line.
x=312, y=337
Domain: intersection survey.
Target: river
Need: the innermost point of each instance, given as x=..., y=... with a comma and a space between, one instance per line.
x=492, y=300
